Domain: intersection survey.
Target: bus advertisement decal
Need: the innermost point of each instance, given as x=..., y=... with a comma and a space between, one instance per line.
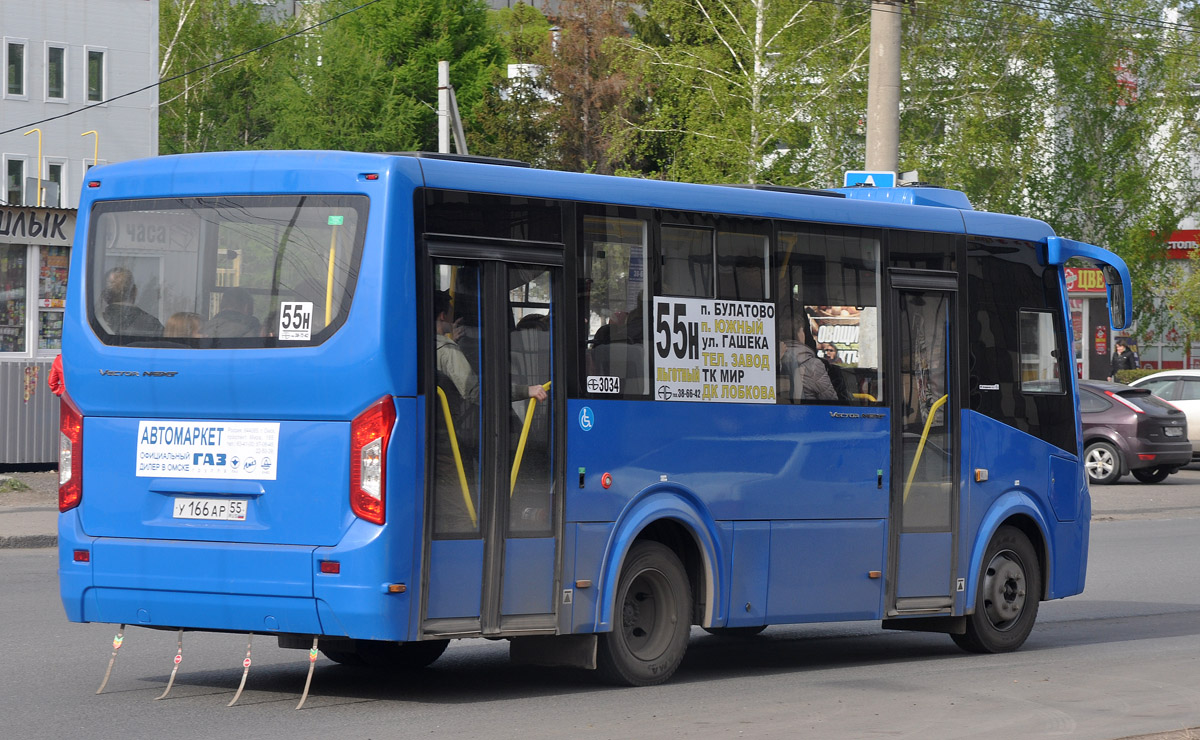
x=714, y=350
x=208, y=449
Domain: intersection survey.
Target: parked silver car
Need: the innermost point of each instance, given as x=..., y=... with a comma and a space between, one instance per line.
x=1182, y=389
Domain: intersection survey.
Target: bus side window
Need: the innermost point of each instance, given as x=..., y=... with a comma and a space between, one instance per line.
x=613, y=296
x=827, y=298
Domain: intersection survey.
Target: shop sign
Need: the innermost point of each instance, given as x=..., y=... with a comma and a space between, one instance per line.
x=42, y=226
x=1084, y=280
x=1182, y=243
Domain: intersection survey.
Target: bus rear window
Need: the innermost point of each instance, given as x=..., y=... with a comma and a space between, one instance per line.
x=226, y=272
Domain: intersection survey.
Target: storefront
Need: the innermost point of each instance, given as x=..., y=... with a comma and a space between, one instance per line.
x=35, y=246
x=1090, y=322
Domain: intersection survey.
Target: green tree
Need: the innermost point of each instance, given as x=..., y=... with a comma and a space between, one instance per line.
x=368, y=82
x=523, y=32
x=745, y=90
x=1117, y=164
x=218, y=107
x=975, y=96
x=515, y=117
x=587, y=82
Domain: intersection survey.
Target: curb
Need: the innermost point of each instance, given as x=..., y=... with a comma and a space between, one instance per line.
x=28, y=541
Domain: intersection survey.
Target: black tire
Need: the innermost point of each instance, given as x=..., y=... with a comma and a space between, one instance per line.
x=1152, y=475
x=1006, y=603
x=385, y=655
x=1102, y=462
x=343, y=654
x=651, y=619
x=735, y=631
x=401, y=655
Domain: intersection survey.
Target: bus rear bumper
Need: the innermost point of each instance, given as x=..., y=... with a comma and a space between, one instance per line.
x=230, y=587
x=190, y=585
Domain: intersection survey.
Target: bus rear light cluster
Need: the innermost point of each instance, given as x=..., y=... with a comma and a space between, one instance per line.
x=369, y=434
x=70, y=455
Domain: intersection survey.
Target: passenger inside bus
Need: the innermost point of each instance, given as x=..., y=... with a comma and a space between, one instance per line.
x=806, y=373
x=121, y=315
x=452, y=361
x=236, y=317
x=183, y=324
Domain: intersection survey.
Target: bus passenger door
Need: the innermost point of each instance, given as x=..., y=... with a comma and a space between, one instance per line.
x=493, y=486
x=925, y=443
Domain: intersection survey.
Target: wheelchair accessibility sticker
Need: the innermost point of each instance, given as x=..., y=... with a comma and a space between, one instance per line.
x=586, y=419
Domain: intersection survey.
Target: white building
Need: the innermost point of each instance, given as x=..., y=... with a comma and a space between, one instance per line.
x=67, y=65
x=70, y=58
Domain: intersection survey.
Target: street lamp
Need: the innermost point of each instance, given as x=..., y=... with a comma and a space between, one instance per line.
x=38, y=202
x=96, y=148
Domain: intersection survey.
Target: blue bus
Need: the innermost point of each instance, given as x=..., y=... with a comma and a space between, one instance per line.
x=384, y=401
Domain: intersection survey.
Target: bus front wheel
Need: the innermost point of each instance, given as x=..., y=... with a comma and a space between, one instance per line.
x=1006, y=603
x=651, y=621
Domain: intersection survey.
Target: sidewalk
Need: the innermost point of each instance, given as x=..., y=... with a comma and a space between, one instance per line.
x=29, y=509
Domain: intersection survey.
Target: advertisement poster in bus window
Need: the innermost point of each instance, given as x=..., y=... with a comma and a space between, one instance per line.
x=838, y=327
x=713, y=350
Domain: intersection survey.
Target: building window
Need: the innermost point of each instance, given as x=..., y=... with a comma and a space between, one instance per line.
x=52, y=295
x=95, y=75
x=14, y=182
x=54, y=174
x=14, y=62
x=56, y=72
x=12, y=309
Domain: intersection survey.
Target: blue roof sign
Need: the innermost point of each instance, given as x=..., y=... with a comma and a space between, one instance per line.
x=867, y=177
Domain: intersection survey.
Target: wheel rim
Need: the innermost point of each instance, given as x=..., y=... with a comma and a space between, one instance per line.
x=1004, y=590
x=1100, y=463
x=647, y=615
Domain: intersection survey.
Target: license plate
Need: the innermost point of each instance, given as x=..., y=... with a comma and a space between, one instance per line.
x=1173, y=431
x=220, y=509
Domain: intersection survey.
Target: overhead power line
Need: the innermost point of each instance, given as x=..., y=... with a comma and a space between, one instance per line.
x=201, y=68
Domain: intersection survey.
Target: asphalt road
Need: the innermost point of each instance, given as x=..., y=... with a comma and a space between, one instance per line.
x=1120, y=660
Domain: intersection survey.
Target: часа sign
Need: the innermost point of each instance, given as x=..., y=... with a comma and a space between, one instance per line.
x=43, y=226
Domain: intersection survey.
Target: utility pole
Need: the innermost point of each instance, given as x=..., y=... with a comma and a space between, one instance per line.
x=883, y=88
x=448, y=115
x=443, y=114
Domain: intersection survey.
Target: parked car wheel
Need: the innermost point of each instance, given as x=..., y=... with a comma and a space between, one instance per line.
x=1102, y=462
x=1152, y=475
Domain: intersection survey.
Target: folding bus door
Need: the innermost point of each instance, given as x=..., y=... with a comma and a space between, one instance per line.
x=925, y=447
x=494, y=481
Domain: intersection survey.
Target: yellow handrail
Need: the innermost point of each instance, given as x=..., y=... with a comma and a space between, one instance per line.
x=329, y=279
x=866, y=396
x=912, y=471
x=462, y=473
x=512, y=481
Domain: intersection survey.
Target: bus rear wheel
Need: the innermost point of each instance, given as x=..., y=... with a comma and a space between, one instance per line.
x=652, y=619
x=1006, y=603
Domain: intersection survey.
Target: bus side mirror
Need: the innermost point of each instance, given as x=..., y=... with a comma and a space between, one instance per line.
x=1116, y=296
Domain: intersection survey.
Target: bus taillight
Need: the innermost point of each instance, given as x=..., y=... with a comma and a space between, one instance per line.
x=369, y=433
x=70, y=455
